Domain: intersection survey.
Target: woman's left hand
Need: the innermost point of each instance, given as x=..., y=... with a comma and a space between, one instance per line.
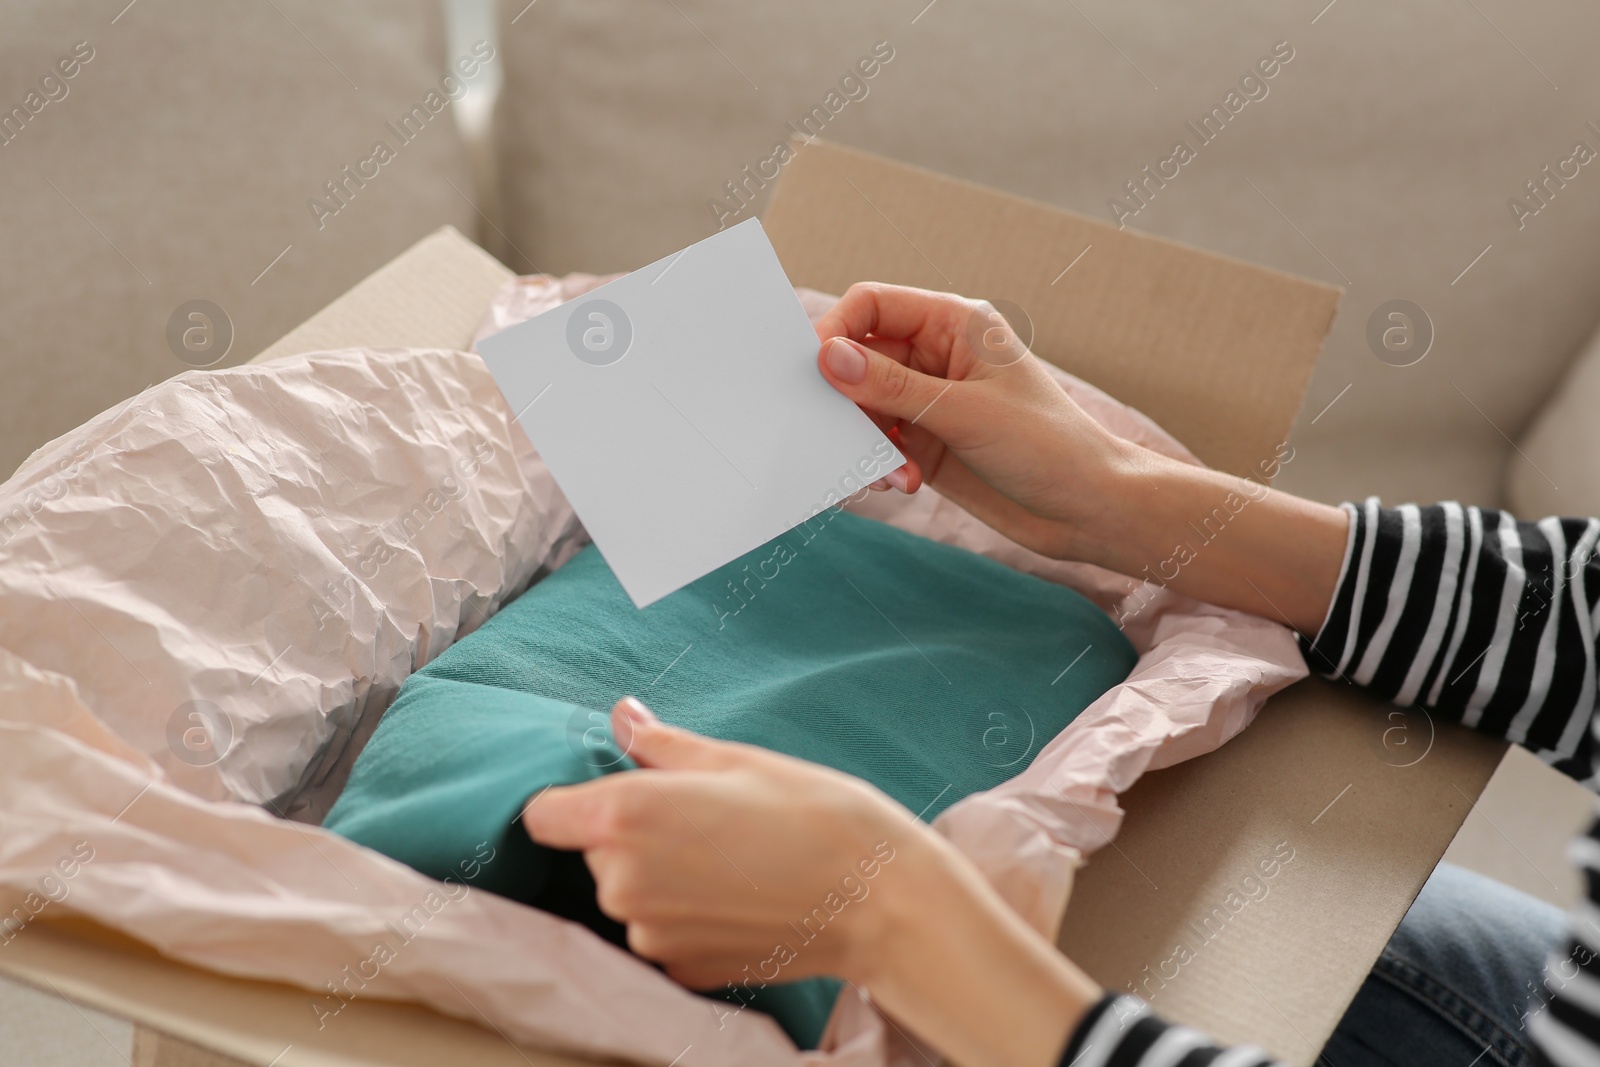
x=732, y=864
x=714, y=853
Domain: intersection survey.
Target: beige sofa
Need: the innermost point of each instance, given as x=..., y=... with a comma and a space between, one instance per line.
x=1390, y=151
x=177, y=164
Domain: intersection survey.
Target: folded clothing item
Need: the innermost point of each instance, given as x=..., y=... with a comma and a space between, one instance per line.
x=924, y=668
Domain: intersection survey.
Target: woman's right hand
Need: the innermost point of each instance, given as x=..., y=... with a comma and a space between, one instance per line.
x=980, y=418
x=976, y=414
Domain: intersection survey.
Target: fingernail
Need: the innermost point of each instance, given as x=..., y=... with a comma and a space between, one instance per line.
x=847, y=364
x=636, y=711
x=898, y=478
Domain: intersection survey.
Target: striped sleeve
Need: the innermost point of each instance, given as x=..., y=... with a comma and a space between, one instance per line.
x=1121, y=1031
x=1469, y=613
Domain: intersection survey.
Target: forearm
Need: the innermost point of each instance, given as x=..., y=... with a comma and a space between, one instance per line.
x=1459, y=609
x=953, y=964
x=1222, y=539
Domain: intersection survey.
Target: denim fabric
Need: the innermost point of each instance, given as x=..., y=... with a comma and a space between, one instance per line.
x=1457, y=982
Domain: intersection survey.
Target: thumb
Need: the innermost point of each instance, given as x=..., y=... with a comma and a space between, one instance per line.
x=568, y=816
x=885, y=385
x=652, y=743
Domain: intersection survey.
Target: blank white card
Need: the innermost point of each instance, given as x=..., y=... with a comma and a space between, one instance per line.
x=681, y=411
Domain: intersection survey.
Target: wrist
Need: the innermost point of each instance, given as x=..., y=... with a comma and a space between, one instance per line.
x=950, y=960
x=903, y=902
x=1217, y=537
x=1126, y=506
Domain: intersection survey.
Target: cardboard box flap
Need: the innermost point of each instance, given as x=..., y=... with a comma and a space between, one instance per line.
x=1217, y=351
x=384, y=311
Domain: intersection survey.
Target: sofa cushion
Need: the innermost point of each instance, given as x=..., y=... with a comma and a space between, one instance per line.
x=179, y=163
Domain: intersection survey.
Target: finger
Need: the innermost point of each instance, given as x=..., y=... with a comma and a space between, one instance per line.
x=911, y=477
x=922, y=449
x=958, y=484
x=881, y=385
x=907, y=479
x=652, y=743
x=899, y=351
x=708, y=974
x=571, y=817
x=884, y=423
x=774, y=962
x=896, y=312
x=699, y=938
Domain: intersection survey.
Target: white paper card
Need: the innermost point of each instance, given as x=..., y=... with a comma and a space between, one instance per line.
x=681, y=410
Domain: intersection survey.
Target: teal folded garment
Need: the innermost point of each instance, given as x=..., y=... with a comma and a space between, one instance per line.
x=927, y=670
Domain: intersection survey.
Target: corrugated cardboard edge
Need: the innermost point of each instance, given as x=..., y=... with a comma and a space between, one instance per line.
x=1217, y=351
x=432, y=295
x=224, y=1020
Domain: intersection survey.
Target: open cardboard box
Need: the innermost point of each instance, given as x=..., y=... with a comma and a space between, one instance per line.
x=1217, y=351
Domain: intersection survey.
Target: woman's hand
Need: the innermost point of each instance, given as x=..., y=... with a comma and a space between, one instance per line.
x=981, y=420
x=974, y=412
x=713, y=848
x=732, y=864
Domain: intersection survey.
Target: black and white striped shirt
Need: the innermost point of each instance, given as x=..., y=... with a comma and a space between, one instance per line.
x=1483, y=620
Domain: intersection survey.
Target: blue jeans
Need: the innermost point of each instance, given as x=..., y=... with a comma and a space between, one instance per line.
x=1457, y=982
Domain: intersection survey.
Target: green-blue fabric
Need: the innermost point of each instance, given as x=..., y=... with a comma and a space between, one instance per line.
x=923, y=668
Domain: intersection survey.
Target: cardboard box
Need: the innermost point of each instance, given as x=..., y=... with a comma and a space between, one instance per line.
x=1219, y=352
